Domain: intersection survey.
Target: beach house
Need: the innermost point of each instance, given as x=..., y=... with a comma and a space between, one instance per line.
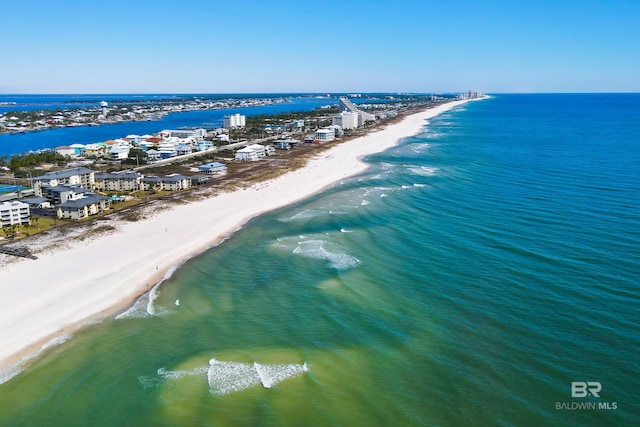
x=167, y=150
x=94, y=149
x=259, y=149
x=78, y=149
x=183, y=149
x=215, y=168
x=65, y=150
x=325, y=135
x=204, y=145
x=14, y=213
x=153, y=155
x=247, y=155
x=118, y=152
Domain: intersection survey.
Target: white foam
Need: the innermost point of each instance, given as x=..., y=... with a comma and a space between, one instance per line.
x=7, y=374
x=174, y=375
x=56, y=341
x=145, y=304
x=177, y=302
x=11, y=372
x=419, y=148
x=137, y=310
x=270, y=375
x=424, y=170
x=305, y=214
x=230, y=377
x=316, y=249
x=419, y=185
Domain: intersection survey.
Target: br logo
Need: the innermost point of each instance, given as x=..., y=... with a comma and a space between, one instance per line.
x=582, y=389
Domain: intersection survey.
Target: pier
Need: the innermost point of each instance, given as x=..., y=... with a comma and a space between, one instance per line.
x=19, y=252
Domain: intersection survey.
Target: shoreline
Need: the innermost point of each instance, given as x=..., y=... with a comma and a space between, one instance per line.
x=68, y=289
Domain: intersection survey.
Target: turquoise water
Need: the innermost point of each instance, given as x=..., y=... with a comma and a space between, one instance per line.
x=9, y=188
x=468, y=277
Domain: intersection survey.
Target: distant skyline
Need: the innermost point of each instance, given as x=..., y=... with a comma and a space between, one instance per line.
x=197, y=46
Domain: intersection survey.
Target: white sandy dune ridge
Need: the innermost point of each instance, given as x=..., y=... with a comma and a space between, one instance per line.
x=49, y=297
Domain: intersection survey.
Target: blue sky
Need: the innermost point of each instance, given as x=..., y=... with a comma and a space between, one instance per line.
x=204, y=46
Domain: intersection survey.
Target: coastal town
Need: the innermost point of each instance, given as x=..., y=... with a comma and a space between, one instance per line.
x=104, y=112
x=92, y=180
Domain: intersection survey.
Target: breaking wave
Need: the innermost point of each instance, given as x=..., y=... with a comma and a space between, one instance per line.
x=316, y=249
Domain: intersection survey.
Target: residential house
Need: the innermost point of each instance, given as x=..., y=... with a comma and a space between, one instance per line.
x=259, y=149
x=94, y=149
x=183, y=149
x=65, y=150
x=153, y=155
x=213, y=168
x=247, y=155
x=283, y=144
x=205, y=145
x=78, y=149
x=199, y=179
x=325, y=135
x=167, y=150
x=118, y=152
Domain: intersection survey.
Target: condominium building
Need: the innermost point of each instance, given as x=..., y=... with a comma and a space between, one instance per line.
x=234, y=121
x=346, y=120
x=118, y=181
x=81, y=177
x=14, y=213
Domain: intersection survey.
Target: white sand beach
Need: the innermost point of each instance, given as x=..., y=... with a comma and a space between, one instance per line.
x=60, y=291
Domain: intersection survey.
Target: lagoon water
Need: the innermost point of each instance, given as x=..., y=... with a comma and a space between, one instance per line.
x=468, y=277
x=17, y=143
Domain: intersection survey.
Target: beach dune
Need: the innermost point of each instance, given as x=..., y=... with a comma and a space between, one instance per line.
x=52, y=296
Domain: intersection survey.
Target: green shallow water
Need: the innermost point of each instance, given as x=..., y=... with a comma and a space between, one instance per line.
x=464, y=279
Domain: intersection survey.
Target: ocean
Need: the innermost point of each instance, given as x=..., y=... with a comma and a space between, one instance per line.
x=482, y=272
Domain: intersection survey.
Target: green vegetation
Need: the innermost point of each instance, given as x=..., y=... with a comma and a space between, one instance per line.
x=136, y=157
x=32, y=160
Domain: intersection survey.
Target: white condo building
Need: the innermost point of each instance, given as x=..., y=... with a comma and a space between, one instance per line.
x=234, y=121
x=14, y=213
x=346, y=120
